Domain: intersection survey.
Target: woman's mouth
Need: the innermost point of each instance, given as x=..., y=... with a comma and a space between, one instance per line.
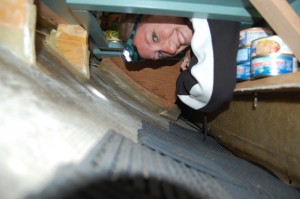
x=180, y=38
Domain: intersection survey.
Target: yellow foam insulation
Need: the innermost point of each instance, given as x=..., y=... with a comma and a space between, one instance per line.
x=71, y=42
x=17, y=28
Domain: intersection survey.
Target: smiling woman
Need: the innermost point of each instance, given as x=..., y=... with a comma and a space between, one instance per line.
x=159, y=37
x=210, y=78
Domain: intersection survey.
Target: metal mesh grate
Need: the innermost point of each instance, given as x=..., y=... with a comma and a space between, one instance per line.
x=173, y=165
x=237, y=176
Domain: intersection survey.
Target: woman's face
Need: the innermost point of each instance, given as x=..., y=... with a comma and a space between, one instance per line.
x=162, y=36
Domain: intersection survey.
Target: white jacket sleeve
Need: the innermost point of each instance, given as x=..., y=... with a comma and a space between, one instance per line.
x=209, y=82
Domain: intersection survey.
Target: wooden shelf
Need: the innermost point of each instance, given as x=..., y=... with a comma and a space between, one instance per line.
x=285, y=82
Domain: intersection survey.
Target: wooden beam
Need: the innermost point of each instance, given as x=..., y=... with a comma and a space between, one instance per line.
x=45, y=12
x=283, y=19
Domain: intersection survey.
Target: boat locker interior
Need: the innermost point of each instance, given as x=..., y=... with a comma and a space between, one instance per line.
x=77, y=121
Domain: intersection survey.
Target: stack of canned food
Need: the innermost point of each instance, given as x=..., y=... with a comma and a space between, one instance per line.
x=261, y=54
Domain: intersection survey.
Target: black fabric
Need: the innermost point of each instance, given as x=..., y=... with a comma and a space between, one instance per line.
x=225, y=44
x=185, y=81
x=225, y=40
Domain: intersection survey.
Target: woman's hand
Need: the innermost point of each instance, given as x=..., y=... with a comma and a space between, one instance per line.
x=186, y=61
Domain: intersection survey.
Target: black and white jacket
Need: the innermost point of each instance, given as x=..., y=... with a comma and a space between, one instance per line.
x=210, y=79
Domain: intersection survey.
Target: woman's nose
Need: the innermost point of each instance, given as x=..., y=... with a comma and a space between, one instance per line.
x=169, y=47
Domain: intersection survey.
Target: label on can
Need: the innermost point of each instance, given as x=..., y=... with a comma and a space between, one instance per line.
x=268, y=46
x=112, y=35
x=243, y=55
x=243, y=71
x=273, y=65
x=248, y=35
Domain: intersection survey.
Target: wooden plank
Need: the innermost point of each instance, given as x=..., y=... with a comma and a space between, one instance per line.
x=154, y=88
x=17, y=23
x=287, y=81
x=283, y=19
x=158, y=77
x=45, y=12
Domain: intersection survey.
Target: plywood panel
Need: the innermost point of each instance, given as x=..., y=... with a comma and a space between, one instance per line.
x=158, y=77
x=267, y=135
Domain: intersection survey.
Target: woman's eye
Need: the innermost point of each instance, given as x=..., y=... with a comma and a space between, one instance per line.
x=154, y=37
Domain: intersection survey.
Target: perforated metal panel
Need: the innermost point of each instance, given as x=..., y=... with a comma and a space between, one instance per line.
x=174, y=164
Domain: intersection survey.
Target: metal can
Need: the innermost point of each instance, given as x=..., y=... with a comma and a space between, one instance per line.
x=269, y=45
x=112, y=35
x=250, y=34
x=243, y=55
x=243, y=71
x=273, y=65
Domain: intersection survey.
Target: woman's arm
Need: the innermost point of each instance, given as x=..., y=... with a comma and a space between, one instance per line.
x=210, y=80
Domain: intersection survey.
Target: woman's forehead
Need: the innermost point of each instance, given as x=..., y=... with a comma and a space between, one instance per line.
x=163, y=19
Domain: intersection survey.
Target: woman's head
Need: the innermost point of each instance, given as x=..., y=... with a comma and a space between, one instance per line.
x=159, y=37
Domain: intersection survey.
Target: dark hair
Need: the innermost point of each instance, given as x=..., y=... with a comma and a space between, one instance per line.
x=130, y=52
x=125, y=25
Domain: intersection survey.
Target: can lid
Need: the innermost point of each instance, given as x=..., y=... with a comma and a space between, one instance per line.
x=257, y=29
